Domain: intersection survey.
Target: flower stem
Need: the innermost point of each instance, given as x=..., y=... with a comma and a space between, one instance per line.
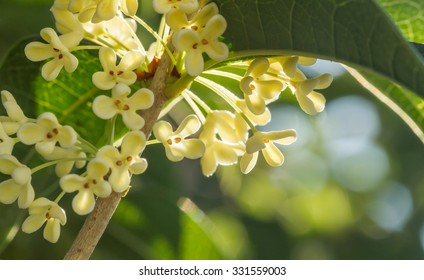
x=96, y=223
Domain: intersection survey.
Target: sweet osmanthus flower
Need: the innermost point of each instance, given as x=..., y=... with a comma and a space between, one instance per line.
x=258, y=87
x=43, y=211
x=176, y=145
x=45, y=133
x=93, y=183
x=264, y=142
x=178, y=19
x=310, y=101
x=126, y=161
x=18, y=187
x=164, y=6
x=106, y=107
x=57, y=50
x=195, y=43
x=15, y=116
x=68, y=158
x=101, y=10
x=113, y=74
x=224, y=135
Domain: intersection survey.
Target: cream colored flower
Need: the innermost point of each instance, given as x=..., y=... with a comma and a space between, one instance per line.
x=6, y=143
x=258, y=87
x=114, y=74
x=106, y=107
x=125, y=161
x=43, y=211
x=196, y=43
x=310, y=101
x=15, y=116
x=101, y=10
x=223, y=135
x=45, y=133
x=87, y=186
x=57, y=50
x=74, y=157
x=178, y=19
x=264, y=142
x=164, y=6
x=176, y=145
x=18, y=187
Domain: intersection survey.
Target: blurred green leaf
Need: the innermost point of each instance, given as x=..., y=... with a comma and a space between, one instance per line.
x=409, y=17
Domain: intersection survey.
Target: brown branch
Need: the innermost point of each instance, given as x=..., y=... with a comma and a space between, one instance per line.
x=96, y=223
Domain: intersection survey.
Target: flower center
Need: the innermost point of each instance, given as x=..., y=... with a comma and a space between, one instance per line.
x=52, y=133
x=120, y=106
x=176, y=140
x=266, y=140
x=252, y=87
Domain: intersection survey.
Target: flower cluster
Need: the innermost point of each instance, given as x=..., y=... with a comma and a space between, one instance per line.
x=191, y=32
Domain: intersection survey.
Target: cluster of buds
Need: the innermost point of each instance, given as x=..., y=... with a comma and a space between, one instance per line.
x=191, y=31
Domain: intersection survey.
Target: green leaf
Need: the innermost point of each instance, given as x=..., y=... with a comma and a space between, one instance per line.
x=356, y=32
x=70, y=96
x=403, y=102
x=17, y=74
x=409, y=17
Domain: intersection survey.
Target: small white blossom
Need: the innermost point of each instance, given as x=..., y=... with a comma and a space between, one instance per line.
x=164, y=6
x=56, y=49
x=46, y=133
x=264, y=142
x=223, y=135
x=114, y=74
x=176, y=145
x=106, y=107
x=310, y=101
x=258, y=87
x=87, y=186
x=15, y=116
x=65, y=167
x=125, y=161
x=178, y=19
x=196, y=43
x=18, y=187
x=43, y=211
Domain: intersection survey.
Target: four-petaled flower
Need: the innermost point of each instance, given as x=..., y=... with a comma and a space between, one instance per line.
x=93, y=183
x=177, y=19
x=57, y=49
x=15, y=116
x=258, y=87
x=18, y=187
x=114, y=74
x=196, y=43
x=223, y=135
x=43, y=211
x=125, y=161
x=310, y=101
x=46, y=133
x=164, y=6
x=264, y=142
x=106, y=107
x=176, y=145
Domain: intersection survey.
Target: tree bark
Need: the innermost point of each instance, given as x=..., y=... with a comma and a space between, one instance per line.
x=96, y=223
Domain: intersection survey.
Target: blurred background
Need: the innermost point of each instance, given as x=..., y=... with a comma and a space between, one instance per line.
x=352, y=187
